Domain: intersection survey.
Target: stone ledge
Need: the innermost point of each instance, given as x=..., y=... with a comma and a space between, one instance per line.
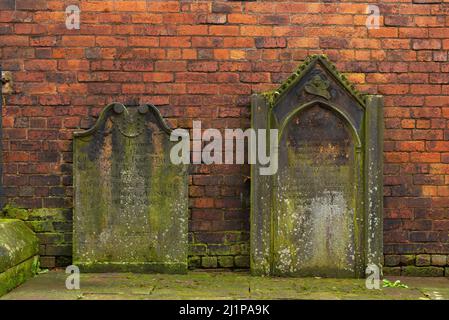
x=15, y=276
x=419, y=260
x=413, y=271
x=53, y=227
x=17, y=243
x=422, y=271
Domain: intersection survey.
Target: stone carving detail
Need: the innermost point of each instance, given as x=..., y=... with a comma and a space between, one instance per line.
x=319, y=87
x=130, y=124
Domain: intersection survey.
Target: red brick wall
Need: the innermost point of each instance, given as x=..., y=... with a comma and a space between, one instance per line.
x=201, y=60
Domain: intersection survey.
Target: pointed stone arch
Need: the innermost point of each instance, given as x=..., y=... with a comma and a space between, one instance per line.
x=323, y=106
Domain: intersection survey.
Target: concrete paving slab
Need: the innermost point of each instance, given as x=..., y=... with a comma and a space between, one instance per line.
x=219, y=285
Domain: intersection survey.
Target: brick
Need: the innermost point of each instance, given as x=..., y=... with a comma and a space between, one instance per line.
x=439, y=260
x=40, y=5
x=97, y=6
x=427, y=1
x=177, y=42
x=274, y=19
x=132, y=6
x=158, y=77
x=213, y=19
x=47, y=262
x=202, y=66
x=423, y=260
x=270, y=42
x=194, y=262
x=241, y=261
x=424, y=44
x=143, y=41
x=107, y=41
x=138, y=65
x=392, y=260
x=391, y=271
x=411, y=271
x=209, y=262
x=303, y=42
x=256, y=31
x=241, y=18
x=224, y=30
x=407, y=260
x=165, y=6
x=225, y=261
x=78, y=41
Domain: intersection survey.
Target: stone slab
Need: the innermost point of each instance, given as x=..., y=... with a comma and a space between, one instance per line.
x=17, y=243
x=131, y=201
x=220, y=285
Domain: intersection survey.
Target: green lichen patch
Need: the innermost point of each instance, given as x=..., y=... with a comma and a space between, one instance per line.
x=13, y=212
x=41, y=214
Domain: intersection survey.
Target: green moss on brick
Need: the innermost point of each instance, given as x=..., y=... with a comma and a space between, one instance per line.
x=13, y=212
x=407, y=260
x=209, y=262
x=226, y=261
x=242, y=261
x=194, y=262
x=41, y=226
x=422, y=271
x=391, y=271
x=423, y=260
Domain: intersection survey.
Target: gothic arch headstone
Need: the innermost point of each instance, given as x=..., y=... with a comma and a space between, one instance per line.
x=320, y=214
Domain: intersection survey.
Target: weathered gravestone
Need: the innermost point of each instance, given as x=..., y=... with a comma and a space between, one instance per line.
x=131, y=202
x=320, y=214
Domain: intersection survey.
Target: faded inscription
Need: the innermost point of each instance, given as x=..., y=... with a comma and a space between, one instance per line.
x=316, y=195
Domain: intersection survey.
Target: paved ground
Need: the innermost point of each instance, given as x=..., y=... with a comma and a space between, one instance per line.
x=220, y=285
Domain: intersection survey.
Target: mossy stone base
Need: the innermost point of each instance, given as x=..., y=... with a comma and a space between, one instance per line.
x=422, y=271
x=391, y=271
x=17, y=243
x=15, y=276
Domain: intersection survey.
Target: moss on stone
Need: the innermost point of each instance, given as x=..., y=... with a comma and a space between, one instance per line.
x=13, y=212
x=422, y=271
x=13, y=277
x=392, y=260
x=242, y=261
x=439, y=260
x=407, y=259
x=391, y=271
x=209, y=262
x=17, y=243
x=226, y=261
x=423, y=260
x=194, y=262
x=41, y=226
